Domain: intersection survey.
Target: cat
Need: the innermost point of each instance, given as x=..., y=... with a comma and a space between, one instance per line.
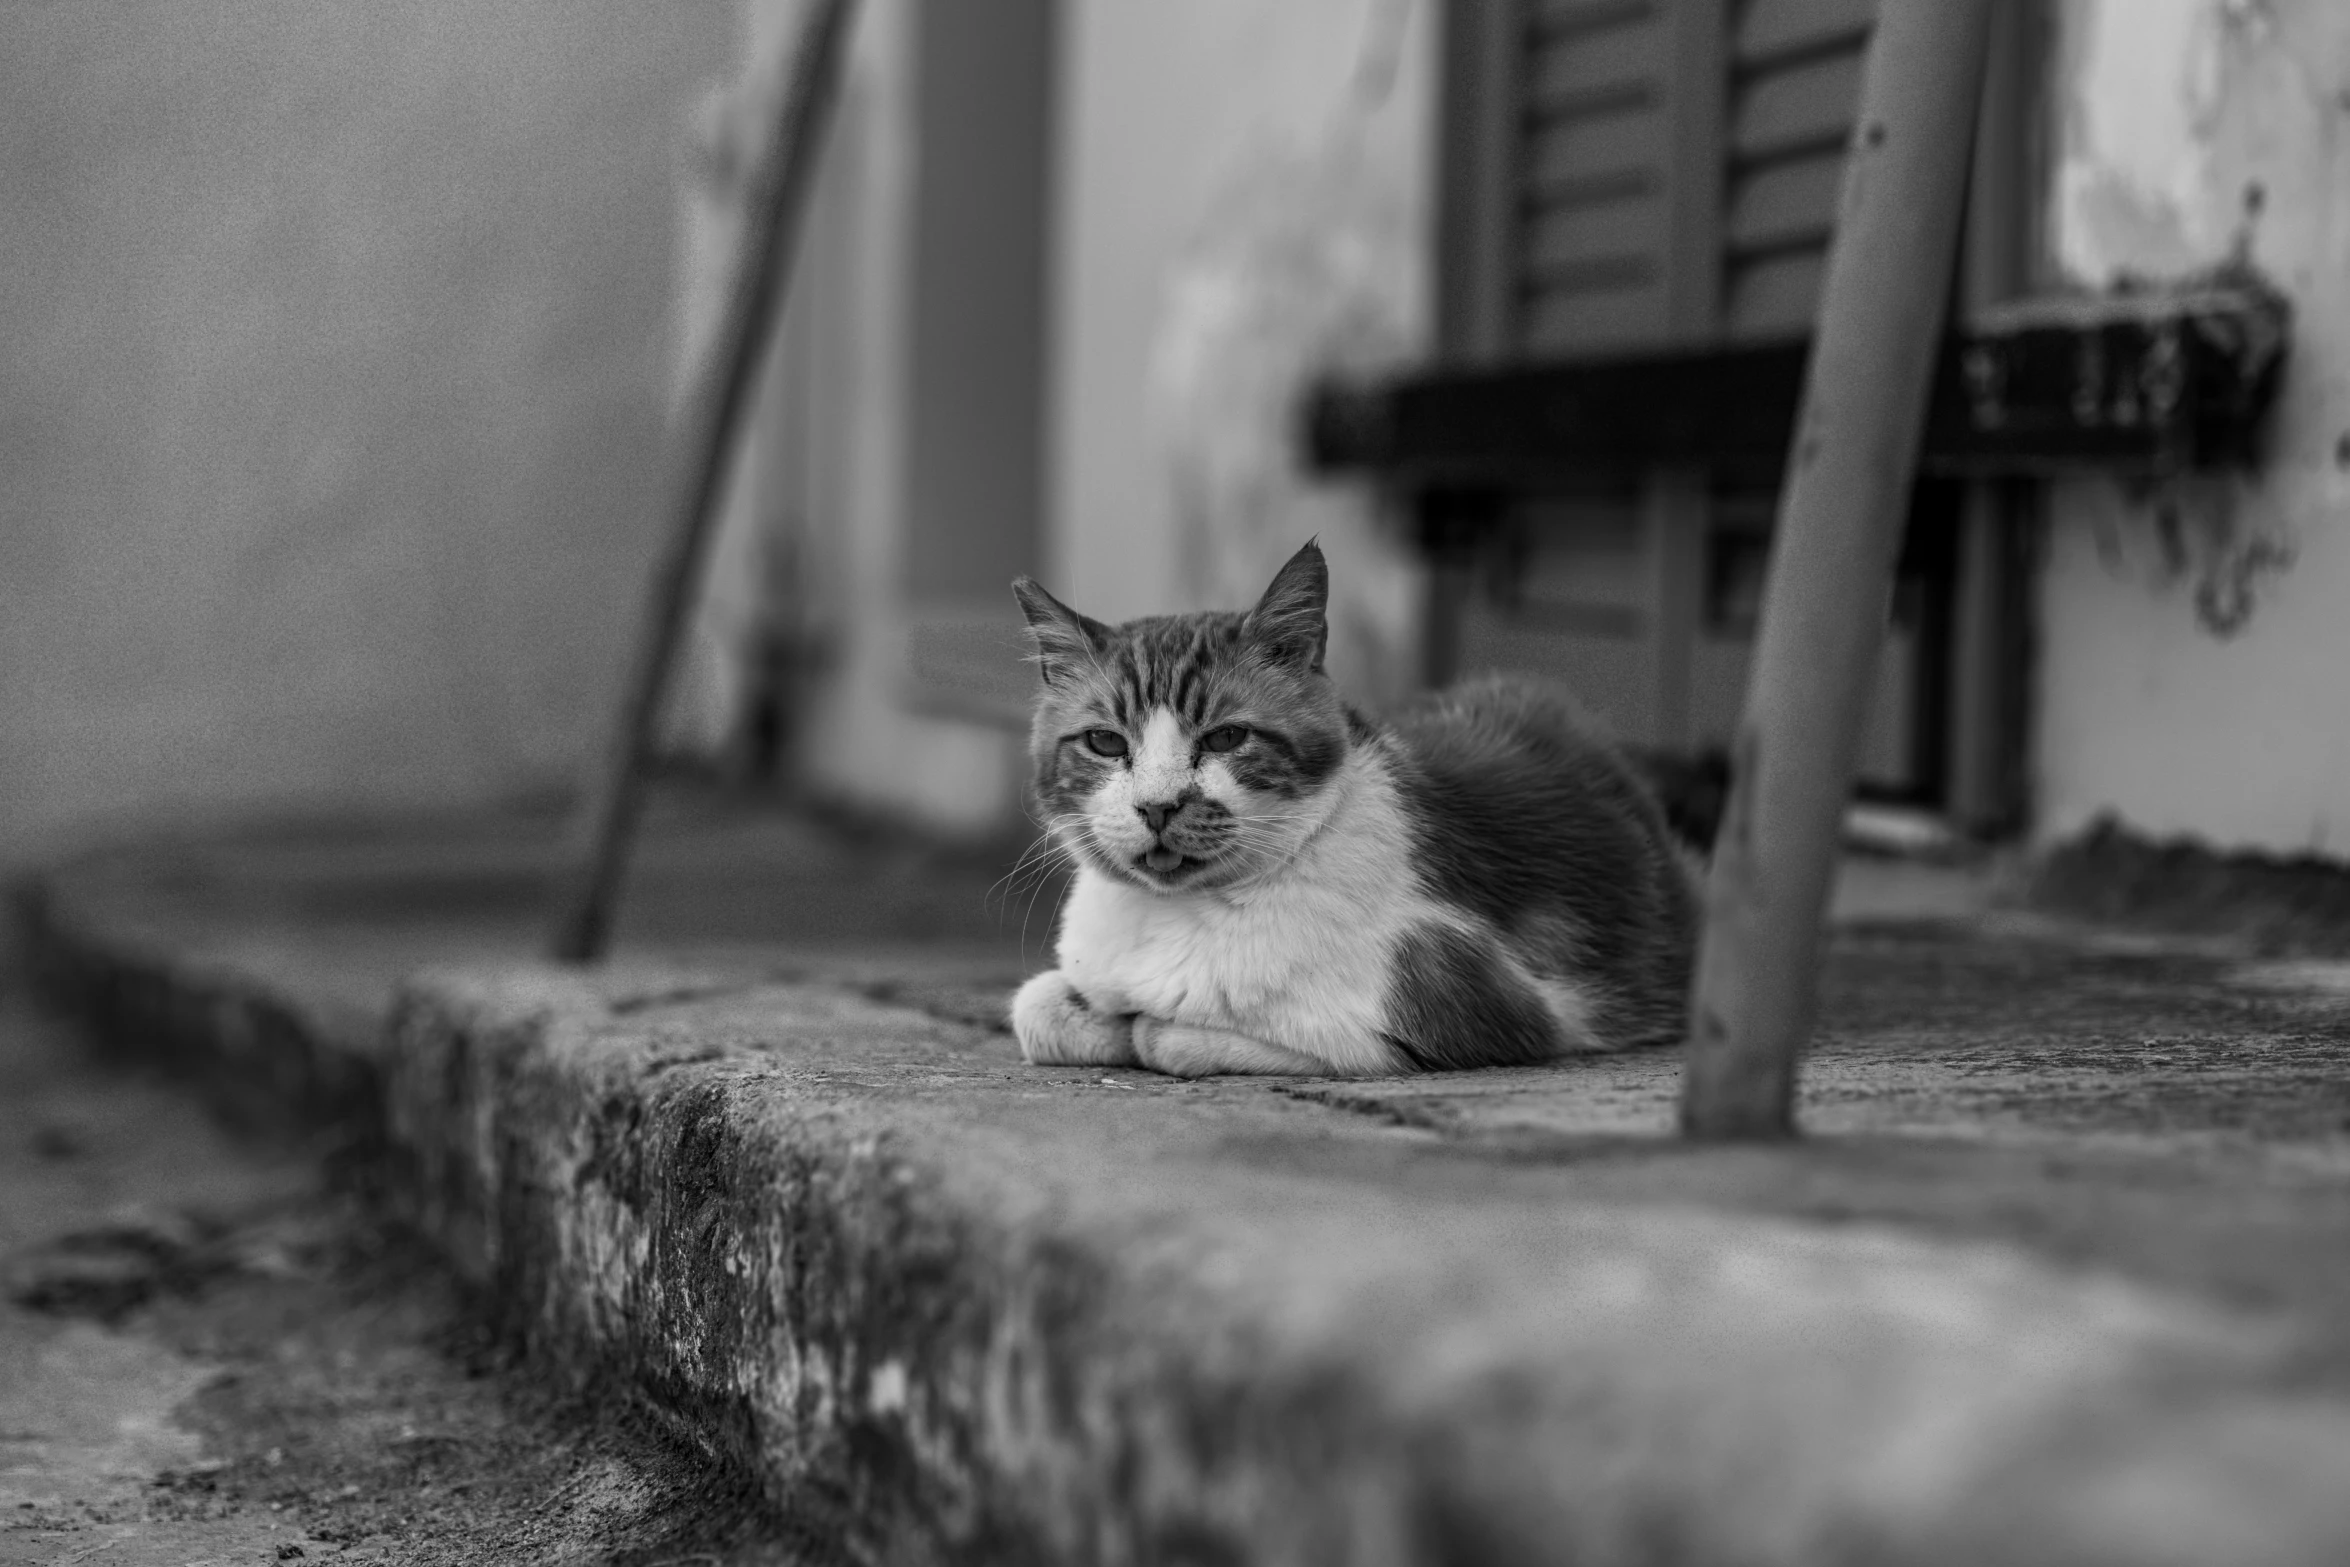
x=1268, y=881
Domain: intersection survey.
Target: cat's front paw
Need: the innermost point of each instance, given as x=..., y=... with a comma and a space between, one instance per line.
x=1191, y=1050
x=1056, y=1026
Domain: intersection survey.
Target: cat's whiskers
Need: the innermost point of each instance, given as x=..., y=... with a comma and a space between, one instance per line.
x=1034, y=862
x=1045, y=856
x=1002, y=884
x=1029, y=886
x=1054, y=856
x=1261, y=842
x=1288, y=853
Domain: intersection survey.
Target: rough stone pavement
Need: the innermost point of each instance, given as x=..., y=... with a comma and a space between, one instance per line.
x=2060, y=1276
x=209, y=1356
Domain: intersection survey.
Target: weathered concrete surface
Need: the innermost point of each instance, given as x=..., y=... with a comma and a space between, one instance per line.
x=210, y=1356
x=2063, y=1279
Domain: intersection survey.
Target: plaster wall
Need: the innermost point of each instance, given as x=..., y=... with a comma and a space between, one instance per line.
x=1207, y=150
x=332, y=398
x=1163, y=118
x=2194, y=657
x=849, y=366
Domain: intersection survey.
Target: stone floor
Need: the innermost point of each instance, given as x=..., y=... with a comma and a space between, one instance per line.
x=209, y=1355
x=2055, y=1173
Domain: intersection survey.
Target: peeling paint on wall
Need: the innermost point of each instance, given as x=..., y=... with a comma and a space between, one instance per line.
x=2133, y=165
x=2200, y=542
x=2148, y=87
x=2192, y=636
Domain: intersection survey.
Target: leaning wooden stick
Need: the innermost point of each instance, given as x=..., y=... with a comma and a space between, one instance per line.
x=1829, y=590
x=781, y=183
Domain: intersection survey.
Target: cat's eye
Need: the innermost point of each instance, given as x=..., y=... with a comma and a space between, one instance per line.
x=1105, y=742
x=1225, y=738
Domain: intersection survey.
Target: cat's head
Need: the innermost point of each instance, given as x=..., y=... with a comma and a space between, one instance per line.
x=1183, y=752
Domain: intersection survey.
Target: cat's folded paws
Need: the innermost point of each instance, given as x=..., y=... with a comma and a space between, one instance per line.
x=1055, y=1027
x=1192, y=1050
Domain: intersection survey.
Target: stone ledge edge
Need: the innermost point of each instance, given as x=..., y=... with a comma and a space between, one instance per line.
x=911, y=1376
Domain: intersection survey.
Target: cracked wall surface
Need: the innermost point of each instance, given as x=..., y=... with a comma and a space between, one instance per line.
x=2192, y=636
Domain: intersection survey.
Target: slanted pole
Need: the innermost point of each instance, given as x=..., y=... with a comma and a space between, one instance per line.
x=719, y=403
x=1829, y=590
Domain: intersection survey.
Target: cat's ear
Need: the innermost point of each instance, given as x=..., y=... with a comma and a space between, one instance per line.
x=1064, y=639
x=1292, y=619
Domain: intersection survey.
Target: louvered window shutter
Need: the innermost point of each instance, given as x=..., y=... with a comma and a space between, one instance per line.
x=1623, y=175
x=1630, y=173
x=1794, y=84
x=1626, y=175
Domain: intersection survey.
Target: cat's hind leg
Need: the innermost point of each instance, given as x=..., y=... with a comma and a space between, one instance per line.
x=1056, y=1027
x=1190, y=1050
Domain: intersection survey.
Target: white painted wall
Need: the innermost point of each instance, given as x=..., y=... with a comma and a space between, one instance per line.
x=1202, y=144
x=331, y=417
x=828, y=467
x=2154, y=703
x=1167, y=120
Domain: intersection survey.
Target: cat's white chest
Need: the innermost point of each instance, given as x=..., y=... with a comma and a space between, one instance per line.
x=1302, y=961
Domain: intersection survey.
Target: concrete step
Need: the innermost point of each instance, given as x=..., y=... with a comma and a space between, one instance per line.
x=948, y=1307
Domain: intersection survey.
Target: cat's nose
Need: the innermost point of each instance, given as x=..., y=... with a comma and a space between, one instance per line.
x=1157, y=816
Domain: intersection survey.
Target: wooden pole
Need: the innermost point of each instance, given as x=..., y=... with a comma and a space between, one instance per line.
x=1829, y=590
x=782, y=181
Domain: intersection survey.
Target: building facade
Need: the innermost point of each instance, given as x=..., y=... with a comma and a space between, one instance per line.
x=1548, y=179
x=343, y=346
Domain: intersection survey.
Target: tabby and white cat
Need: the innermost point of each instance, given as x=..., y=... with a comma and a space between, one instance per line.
x=1267, y=881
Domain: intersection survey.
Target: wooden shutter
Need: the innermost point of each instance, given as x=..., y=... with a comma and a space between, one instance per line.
x=1628, y=173
x=1595, y=243
x=1794, y=84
